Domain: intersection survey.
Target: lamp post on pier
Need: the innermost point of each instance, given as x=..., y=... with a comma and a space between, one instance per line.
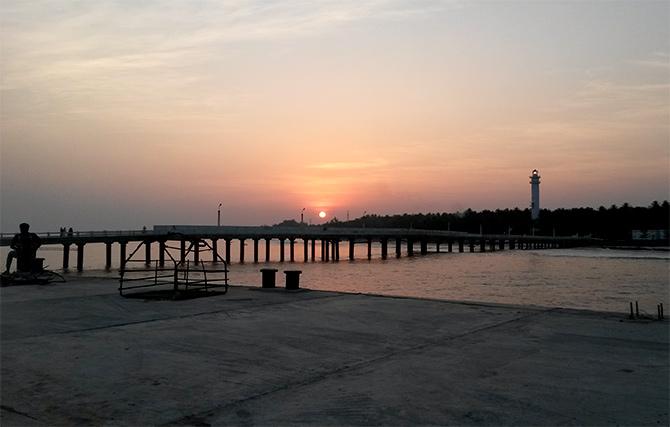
x=218, y=216
x=302, y=216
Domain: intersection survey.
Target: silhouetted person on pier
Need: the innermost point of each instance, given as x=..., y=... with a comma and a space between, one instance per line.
x=24, y=248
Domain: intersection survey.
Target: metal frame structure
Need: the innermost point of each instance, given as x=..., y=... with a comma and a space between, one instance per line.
x=182, y=276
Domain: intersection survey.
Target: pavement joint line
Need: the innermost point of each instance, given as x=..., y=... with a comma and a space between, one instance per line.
x=353, y=367
x=226, y=311
x=14, y=411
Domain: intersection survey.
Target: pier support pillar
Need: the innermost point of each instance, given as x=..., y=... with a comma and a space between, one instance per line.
x=281, y=250
x=122, y=254
x=471, y=245
x=291, y=248
x=398, y=247
x=182, y=252
x=196, y=251
x=460, y=245
x=482, y=245
x=255, y=250
x=410, y=247
x=450, y=246
x=313, y=250
x=492, y=245
x=227, y=251
x=351, y=248
x=511, y=244
x=369, y=248
x=501, y=246
x=385, y=244
x=437, y=246
x=80, y=256
x=336, y=250
x=323, y=250
x=215, y=250
x=305, y=248
x=108, y=255
x=267, y=250
x=424, y=247
x=147, y=253
x=161, y=253
x=326, y=245
x=66, y=256
x=242, y=251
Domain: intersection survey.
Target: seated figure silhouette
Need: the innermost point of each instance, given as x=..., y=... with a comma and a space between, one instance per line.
x=24, y=248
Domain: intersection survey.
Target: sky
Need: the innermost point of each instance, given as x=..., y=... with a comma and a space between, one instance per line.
x=119, y=114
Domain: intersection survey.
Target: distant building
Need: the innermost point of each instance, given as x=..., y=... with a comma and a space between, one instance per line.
x=535, y=195
x=650, y=234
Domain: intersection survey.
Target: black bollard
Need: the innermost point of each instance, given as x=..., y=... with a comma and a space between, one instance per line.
x=268, y=277
x=292, y=279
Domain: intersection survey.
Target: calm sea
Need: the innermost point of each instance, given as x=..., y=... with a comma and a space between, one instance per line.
x=600, y=279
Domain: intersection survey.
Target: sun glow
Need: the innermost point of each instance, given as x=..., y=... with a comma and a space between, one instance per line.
x=322, y=214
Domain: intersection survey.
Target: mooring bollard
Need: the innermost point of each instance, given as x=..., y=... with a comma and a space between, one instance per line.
x=268, y=277
x=292, y=279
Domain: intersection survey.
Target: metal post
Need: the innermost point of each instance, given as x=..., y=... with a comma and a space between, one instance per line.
x=227, y=251
x=196, y=251
x=182, y=251
x=369, y=248
x=122, y=254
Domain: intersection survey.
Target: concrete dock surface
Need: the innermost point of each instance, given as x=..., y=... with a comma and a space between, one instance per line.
x=77, y=353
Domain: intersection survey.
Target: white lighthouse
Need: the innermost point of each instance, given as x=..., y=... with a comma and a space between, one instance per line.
x=535, y=195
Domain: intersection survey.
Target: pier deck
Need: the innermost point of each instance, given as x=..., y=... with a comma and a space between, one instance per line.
x=77, y=353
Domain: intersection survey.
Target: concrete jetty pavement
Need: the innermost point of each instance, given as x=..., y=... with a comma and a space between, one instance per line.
x=78, y=353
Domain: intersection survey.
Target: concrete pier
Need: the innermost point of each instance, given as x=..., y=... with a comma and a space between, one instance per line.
x=239, y=359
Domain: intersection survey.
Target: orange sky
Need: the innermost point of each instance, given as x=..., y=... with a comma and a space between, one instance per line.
x=119, y=114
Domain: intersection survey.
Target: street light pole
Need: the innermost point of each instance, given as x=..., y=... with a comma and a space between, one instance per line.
x=302, y=216
x=218, y=216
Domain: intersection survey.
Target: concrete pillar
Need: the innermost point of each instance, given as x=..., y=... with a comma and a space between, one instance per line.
x=501, y=245
x=323, y=250
x=122, y=254
x=492, y=245
x=336, y=250
x=108, y=255
x=255, y=250
x=161, y=253
x=326, y=244
x=351, y=248
x=450, y=246
x=410, y=247
x=385, y=248
x=482, y=245
x=305, y=244
x=80, y=256
x=196, y=251
x=424, y=247
x=215, y=250
x=437, y=246
x=471, y=244
x=66, y=256
x=398, y=247
x=460, y=245
x=511, y=244
x=182, y=252
x=147, y=253
x=313, y=250
x=291, y=244
x=227, y=251
x=242, y=251
x=267, y=250
x=369, y=248
x=281, y=250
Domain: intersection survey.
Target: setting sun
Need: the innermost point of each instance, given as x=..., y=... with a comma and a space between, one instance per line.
x=322, y=214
